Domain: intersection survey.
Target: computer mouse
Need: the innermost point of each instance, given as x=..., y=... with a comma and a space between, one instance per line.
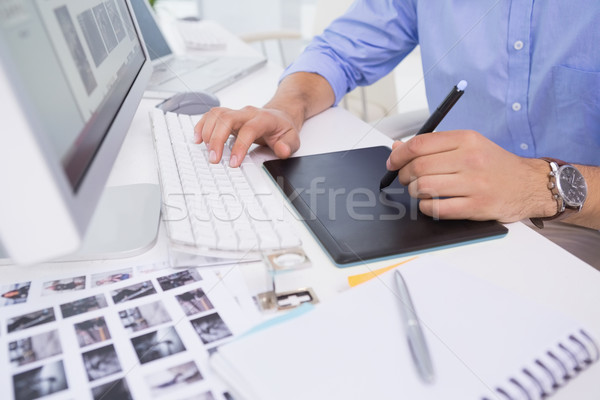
x=190, y=103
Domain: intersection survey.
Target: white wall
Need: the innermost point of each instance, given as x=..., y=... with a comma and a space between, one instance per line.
x=244, y=16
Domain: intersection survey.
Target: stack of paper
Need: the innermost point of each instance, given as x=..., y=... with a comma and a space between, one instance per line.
x=486, y=343
x=135, y=332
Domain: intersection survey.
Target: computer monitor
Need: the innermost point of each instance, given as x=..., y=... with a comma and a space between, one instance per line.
x=72, y=74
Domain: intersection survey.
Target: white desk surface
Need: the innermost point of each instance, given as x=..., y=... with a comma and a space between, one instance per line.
x=523, y=261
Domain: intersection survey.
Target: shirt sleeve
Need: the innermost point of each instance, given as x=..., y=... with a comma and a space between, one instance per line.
x=361, y=46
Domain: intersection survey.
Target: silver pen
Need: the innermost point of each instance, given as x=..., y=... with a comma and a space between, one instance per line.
x=414, y=332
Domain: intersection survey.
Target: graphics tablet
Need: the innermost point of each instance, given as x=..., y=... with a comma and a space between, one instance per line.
x=337, y=195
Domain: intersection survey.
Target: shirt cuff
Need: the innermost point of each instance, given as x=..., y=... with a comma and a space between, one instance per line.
x=321, y=64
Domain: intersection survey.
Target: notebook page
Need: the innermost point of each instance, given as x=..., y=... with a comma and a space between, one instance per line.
x=347, y=352
x=494, y=332
x=353, y=347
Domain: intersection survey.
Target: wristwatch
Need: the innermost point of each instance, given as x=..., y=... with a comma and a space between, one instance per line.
x=568, y=188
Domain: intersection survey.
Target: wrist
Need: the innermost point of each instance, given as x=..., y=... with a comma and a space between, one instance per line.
x=541, y=201
x=302, y=95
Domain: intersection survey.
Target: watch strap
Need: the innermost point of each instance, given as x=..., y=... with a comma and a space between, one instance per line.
x=562, y=210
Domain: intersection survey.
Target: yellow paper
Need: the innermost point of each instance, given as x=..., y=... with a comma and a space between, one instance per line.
x=361, y=278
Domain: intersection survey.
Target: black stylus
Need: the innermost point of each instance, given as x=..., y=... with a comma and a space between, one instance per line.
x=431, y=123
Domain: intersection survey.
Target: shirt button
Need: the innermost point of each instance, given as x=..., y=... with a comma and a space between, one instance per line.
x=518, y=45
x=516, y=106
x=524, y=146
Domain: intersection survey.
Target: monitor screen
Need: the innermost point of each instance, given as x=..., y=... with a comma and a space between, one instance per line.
x=155, y=41
x=72, y=74
x=76, y=61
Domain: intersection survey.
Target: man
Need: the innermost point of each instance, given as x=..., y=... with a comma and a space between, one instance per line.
x=534, y=91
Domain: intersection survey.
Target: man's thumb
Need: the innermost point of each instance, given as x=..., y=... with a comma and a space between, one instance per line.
x=287, y=144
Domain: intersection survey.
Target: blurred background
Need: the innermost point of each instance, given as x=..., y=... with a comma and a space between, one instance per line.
x=281, y=28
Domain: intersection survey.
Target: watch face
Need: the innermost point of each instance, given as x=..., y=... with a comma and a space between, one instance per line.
x=571, y=185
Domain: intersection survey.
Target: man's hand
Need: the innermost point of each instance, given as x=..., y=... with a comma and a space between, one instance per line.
x=250, y=125
x=277, y=125
x=463, y=175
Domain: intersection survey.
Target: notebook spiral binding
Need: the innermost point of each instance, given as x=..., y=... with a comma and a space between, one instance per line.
x=552, y=370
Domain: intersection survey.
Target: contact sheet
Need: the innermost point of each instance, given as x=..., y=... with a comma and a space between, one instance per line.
x=138, y=332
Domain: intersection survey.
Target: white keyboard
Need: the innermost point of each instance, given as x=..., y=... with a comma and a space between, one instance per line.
x=212, y=206
x=200, y=37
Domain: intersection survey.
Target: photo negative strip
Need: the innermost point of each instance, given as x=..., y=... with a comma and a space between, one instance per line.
x=115, y=390
x=91, y=331
x=133, y=292
x=63, y=285
x=15, y=293
x=107, y=278
x=83, y=305
x=144, y=316
x=178, y=279
x=41, y=381
x=31, y=319
x=101, y=362
x=163, y=382
x=211, y=328
x=194, y=302
x=158, y=344
x=34, y=348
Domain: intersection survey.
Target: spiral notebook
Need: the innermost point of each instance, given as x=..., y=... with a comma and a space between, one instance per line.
x=486, y=343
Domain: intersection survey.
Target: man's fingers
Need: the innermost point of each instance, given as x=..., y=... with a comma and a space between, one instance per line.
x=249, y=125
x=245, y=137
x=432, y=186
x=283, y=145
x=441, y=163
x=449, y=208
x=216, y=141
x=204, y=127
x=430, y=143
x=226, y=122
x=286, y=144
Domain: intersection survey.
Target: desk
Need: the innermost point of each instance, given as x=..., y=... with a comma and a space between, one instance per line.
x=523, y=261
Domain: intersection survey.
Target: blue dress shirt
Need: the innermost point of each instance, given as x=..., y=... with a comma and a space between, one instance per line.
x=533, y=67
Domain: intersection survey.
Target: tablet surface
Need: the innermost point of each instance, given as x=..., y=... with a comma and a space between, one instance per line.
x=337, y=195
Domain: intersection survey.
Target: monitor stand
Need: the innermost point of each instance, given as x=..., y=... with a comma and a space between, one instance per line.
x=124, y=224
